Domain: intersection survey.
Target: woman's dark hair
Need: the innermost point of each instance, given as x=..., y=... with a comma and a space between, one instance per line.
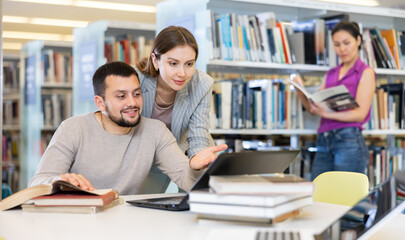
x=121, y=69
x=350, y=27
x=166, y=40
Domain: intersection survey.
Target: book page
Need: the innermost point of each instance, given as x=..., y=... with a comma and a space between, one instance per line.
x=335, y=99
x=301, y=88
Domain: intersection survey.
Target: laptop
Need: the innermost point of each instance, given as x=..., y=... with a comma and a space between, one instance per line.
x=360, y=222
x=250, y=162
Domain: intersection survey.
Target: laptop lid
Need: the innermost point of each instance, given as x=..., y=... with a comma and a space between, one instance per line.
x=257, y=162
x=372, y=212
x=249, y=162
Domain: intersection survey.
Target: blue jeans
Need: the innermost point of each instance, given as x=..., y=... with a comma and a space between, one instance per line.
x=340, y=150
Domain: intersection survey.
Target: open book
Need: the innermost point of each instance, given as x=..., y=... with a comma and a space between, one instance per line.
x=332, y=99
x=59, y=186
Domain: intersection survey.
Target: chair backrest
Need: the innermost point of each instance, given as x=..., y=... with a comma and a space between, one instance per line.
x=344, y=188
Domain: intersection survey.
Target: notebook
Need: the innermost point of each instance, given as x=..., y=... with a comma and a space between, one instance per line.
x=360, y=222
x=258, y=162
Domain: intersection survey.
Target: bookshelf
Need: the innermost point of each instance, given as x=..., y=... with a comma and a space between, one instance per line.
x=45, y=93
x=11, y=122
x=98, y=43
x=197, y=16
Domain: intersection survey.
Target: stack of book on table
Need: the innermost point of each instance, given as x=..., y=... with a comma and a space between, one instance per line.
x=257, y=198
x=62, y=197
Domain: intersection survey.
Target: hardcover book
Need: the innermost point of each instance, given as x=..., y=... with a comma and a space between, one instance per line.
x=256, y=184
x=45, y=189
x=268, y=200
x=332, y=99
x=226, y=211
x=71, y=209
x=75, y=199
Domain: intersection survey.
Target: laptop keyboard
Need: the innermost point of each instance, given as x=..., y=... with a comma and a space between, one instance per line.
x=258, y=234
x=277, y=235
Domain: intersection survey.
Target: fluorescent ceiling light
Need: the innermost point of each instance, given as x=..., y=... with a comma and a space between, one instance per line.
x=12, y=45
x=369, y=3
x=96, y=4
x=37, y=36
x=45, y=21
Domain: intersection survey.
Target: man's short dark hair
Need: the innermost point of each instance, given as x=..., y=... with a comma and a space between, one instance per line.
x=121, y=69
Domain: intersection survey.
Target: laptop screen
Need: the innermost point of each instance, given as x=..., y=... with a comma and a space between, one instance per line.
x=364, y=219
x=249, y=162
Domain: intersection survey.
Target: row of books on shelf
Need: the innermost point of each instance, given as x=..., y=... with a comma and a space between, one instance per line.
x=11, y=112
x=253, y=198
x=260, y=104
x=274, y=104
x=56, y=67
x=127, y=48
x=11, y=74
x=11, y=176
x=384, y=48
x=10, y=146
x=383, y=162
x=387, y=107
x=56, y=108
x=62, y=197
x=262, y=38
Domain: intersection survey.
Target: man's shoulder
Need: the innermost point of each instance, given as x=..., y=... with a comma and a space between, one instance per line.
x=79, y=119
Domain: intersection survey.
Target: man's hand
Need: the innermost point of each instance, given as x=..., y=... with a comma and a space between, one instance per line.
x=205, y=157
x=77, y=180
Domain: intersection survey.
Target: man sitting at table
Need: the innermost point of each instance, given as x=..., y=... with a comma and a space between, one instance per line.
x=116, y=147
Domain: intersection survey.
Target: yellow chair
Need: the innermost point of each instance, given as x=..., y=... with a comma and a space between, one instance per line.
x=344, y=188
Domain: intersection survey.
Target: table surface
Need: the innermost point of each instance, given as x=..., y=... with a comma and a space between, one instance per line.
x=130, y=222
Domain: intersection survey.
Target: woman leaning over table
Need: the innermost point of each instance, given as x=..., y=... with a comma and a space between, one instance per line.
x=340, y=143
x=176, y=93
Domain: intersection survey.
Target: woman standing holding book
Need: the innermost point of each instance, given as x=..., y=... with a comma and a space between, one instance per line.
x=176, y=93
x=340, y=143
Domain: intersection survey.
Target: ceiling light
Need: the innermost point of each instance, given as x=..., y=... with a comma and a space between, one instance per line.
x=369, y=3
x=37, y=36
x=12, y=45
x=95, y=4
x=116, y=6
x=58, y=22
x=45, y=21
x=14, y=19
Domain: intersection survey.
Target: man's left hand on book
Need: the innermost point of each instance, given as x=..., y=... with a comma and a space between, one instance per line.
x=77, y=180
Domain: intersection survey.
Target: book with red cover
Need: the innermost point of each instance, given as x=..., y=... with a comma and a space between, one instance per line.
x=59, y=186
x=75, y=199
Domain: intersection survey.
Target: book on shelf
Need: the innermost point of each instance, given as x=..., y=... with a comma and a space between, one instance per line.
x=247, y=212
x=268, y=200
x=58, y=186
x=30, y=207
x=333, y=99
x=260, y=184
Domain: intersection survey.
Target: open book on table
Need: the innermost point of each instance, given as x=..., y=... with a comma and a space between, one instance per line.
x=332, y=99
x=57, y=189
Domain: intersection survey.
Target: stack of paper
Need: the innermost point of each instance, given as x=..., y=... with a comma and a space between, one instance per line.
x=258, y=198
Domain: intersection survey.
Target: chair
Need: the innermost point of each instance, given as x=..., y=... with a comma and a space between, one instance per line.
x=344, y=188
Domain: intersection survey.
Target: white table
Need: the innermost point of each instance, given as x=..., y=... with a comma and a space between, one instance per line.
x=130, y=222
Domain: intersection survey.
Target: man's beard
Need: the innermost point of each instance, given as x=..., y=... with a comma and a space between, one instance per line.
x=121, y=121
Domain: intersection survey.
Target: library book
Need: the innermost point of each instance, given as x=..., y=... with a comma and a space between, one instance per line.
x=332, y=99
